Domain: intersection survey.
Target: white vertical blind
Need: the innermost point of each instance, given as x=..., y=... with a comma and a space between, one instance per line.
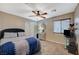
x=65, y=25
x=57, y=25
x=60, y=26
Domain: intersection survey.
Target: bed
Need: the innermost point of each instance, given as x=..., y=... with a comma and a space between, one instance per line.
x=17, y=44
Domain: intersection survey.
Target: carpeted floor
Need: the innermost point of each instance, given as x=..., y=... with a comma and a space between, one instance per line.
x=52, y=48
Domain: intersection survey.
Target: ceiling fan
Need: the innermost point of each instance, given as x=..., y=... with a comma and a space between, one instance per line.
x=39, y=14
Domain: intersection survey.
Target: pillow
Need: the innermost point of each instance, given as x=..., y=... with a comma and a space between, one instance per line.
x=21, y=34
x=10, y=35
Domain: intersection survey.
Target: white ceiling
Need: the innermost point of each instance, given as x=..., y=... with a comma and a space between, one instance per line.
x=25, y=9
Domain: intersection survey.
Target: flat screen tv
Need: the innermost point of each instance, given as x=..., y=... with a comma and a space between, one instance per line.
x=67, y=33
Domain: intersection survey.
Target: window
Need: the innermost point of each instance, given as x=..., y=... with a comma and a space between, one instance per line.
x=60, y=26
x=57, y=27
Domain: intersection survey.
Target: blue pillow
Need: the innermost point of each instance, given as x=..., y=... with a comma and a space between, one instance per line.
x=7, y=49
x=32, y=45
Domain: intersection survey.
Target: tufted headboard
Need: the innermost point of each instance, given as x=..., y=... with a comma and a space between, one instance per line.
x=13, y=30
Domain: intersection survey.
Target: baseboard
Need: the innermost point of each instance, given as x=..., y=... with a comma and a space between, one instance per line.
x=55, y=42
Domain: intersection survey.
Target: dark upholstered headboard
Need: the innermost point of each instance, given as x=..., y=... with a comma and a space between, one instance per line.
x=14, y=30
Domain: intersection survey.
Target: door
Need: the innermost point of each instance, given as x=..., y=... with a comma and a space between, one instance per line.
x=42, y=31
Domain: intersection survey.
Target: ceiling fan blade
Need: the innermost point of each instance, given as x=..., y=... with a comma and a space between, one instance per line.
x=32, y=16
x=34, y=12
x=44, y=13
x=42, y=17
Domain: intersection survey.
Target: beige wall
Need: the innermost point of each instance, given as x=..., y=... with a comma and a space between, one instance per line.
x=12, y=21
x=50, y=35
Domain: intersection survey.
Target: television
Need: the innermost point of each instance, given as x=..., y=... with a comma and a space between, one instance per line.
x=67, y=33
